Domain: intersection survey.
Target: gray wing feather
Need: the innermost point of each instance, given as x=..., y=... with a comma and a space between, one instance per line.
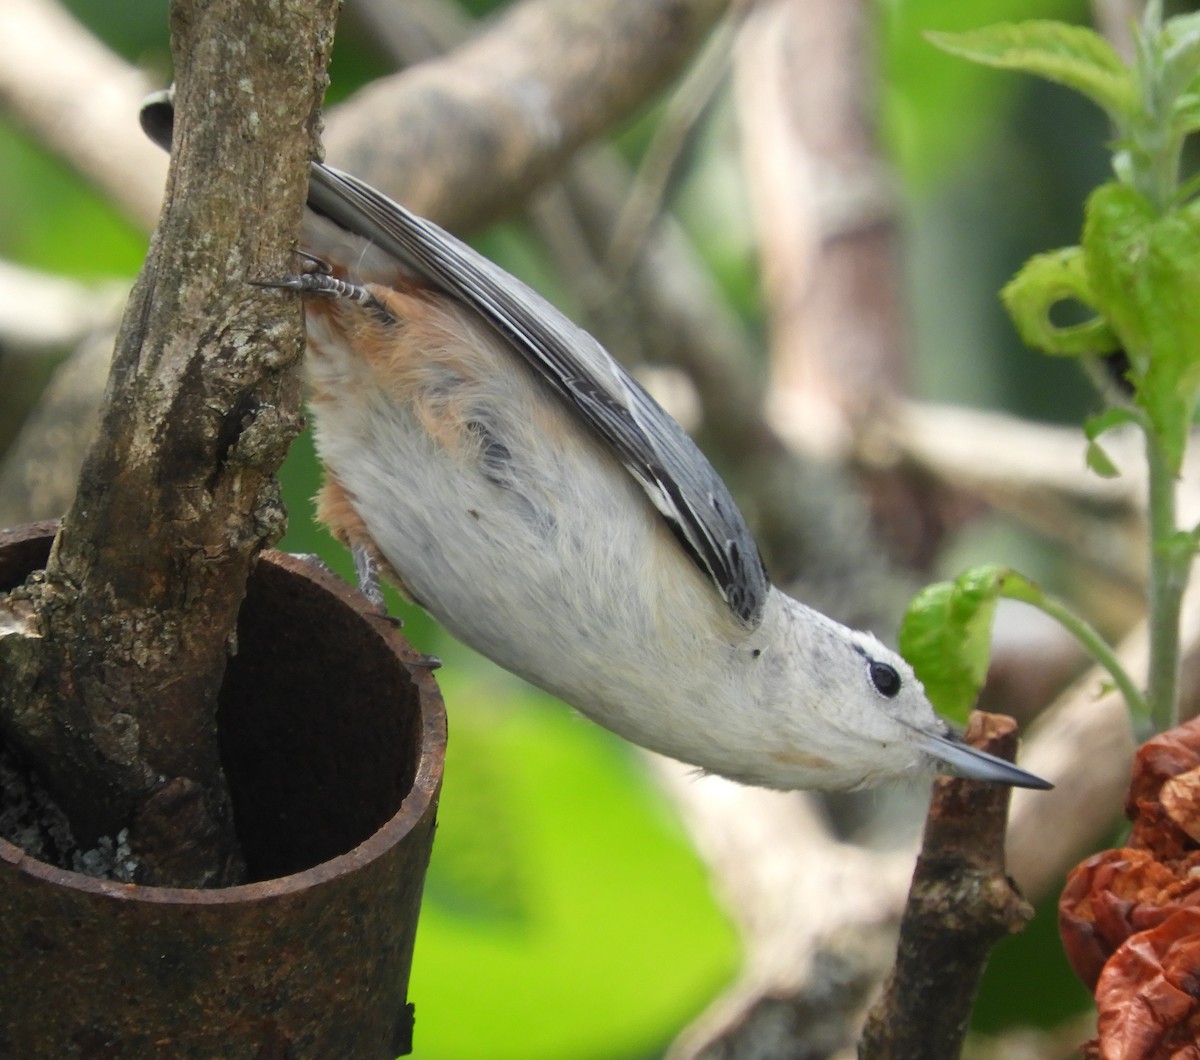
x=653, y=448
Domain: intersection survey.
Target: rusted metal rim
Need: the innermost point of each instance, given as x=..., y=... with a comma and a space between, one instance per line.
x=29, y=545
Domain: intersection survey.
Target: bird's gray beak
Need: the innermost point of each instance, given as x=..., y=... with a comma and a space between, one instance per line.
x=962, y=760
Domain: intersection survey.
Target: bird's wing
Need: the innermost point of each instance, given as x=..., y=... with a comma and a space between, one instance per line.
x=654, y=449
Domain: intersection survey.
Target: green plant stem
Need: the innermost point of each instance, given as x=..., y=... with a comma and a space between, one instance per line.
x=1155, y=163
x=1095, y=645
x=1170, y=564
x=1162, y=180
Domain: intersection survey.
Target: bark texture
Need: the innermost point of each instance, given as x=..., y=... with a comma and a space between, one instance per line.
x=113, y=658
x=961, y=903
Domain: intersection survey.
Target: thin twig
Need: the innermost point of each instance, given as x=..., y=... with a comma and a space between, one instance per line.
x=513, y=103
x=660, y=164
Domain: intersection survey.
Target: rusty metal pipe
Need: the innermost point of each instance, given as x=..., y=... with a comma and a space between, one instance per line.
x=333, y=739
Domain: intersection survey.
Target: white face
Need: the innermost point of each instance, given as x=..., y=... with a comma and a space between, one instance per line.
x=851, y=712
x=893, y=715
x=871, y=721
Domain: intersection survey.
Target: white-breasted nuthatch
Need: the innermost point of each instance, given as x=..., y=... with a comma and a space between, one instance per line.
x=497, y=464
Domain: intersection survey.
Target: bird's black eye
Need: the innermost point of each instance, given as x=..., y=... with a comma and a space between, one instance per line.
x=885, y=679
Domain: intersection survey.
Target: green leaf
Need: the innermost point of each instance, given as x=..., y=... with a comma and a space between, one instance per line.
x=1181, y=32
x=1180, y=44
x=1181, y=545
x=1103, y=422
x=1094, y=426
x=1069, y=55
x=1181, y=60
x=1044, y=281
x=1144, y=270
x=1100, y=462
x=1186, y=113
x=946, y=636
x=946, y=633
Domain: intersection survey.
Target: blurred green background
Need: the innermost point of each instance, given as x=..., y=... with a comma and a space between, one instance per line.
x=565, y=914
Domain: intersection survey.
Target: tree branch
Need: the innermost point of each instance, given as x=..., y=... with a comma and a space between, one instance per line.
x=514, y=103
x=824, y=206
x=110, y=671
x=960, y=904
